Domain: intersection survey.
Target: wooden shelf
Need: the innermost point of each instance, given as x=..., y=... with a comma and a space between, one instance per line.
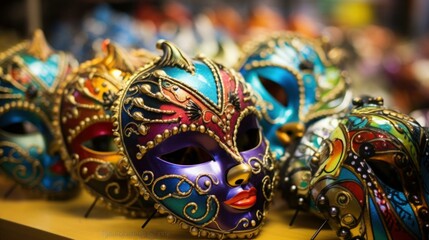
x=26, y=217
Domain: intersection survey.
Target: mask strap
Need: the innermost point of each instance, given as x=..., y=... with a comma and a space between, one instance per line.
x=149, y=218
x=318, y=230
x=10, y=190
x=294, y=217
x=91, y=207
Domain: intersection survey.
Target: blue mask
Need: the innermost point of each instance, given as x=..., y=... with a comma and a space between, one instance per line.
x=30, y=73
x=298, y=83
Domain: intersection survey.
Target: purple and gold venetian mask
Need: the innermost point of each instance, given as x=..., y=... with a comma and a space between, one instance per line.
x=85, y=127
x=189, y=130
x=373, y=180
x=298, y=83
x=29, y=75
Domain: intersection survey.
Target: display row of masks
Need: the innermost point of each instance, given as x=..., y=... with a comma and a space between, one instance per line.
x=208, y=146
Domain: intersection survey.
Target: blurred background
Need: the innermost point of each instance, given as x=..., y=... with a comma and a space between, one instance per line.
x=385, y=42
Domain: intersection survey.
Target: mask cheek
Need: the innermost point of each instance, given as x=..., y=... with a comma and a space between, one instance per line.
x=21, y=163
x=268, y=186
x=182, y=196
x=23, y=153
x=343, y=205
x=269, y=175
x=266, y=180
x=349, y=198
x=92, y=164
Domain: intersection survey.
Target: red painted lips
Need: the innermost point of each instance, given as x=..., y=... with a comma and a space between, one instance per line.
x=243, y=200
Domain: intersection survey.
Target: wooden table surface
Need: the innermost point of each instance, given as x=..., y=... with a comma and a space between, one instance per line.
x=26, y=217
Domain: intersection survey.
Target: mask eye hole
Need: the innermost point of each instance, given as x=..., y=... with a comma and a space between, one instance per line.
x=20, y=128
x=101, y=144
x=275, y=90
x=249, y=134
x=188, y=156
x=386, y=173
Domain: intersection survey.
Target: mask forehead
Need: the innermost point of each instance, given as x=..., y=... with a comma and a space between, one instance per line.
x=182, y=107
x=29, y=75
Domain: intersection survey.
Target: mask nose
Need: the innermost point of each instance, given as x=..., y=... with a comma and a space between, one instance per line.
x=239, y=175
x=289, y=132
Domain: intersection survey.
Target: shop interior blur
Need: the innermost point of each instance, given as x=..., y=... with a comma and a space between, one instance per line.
x=384, y=43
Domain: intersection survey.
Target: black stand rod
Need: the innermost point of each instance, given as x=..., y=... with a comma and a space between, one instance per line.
x=149, y=218
x=10, y=190
x=91, y=207
x=294, y=217
x=318, y=230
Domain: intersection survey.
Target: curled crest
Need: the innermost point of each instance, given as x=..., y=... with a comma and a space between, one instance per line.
x=174, y=57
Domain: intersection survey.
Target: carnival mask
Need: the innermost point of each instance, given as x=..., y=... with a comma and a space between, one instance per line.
x=189, y=130
x=373, y=180
x=298, y=170
x=297, y=82
x=85, y=127
x=29, y=75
